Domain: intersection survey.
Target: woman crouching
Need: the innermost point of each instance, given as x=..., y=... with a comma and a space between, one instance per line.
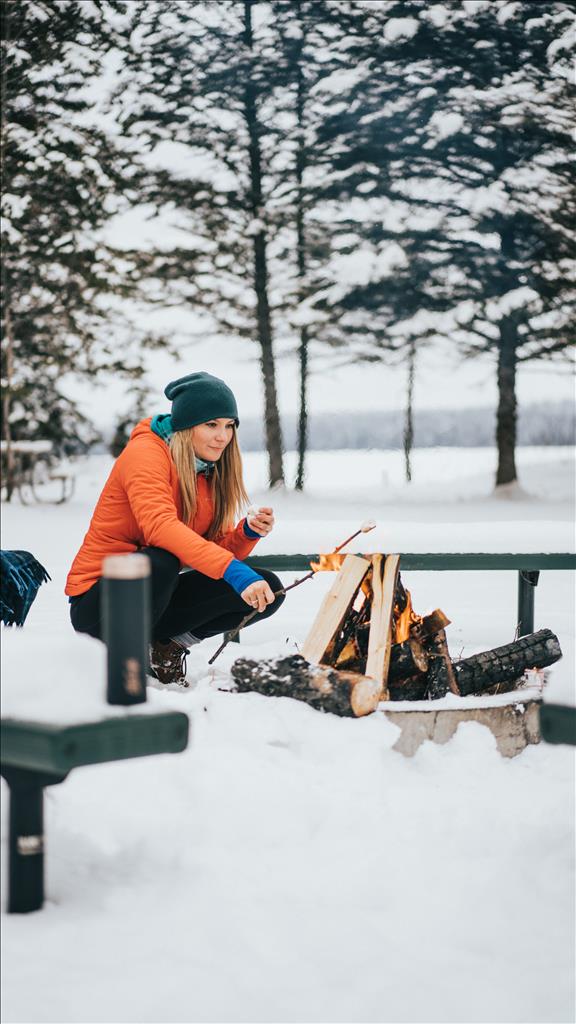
x=174, y=494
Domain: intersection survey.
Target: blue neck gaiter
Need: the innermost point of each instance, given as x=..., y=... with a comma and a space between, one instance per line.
x=162, y=426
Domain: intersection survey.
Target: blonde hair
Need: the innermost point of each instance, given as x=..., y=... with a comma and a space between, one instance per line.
x=228, y=491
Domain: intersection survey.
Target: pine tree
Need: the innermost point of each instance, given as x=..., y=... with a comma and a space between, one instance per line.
x=480, y=199
x=298, y=36
x=206, y=82
x=348, y=185
x=62, y=180
x=316, y=58
x=518, y=107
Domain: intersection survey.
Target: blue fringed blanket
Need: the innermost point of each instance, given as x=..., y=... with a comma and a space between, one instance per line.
x=20, y=577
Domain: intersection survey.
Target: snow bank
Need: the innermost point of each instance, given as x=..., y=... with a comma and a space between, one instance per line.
x=290, y=866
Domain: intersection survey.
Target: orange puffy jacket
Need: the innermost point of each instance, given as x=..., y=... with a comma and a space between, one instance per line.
x=140, y=506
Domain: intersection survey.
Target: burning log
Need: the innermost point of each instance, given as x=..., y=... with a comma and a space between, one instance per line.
x=410, y=688
x=368, y=644
x=407, y=674
x=384, y=580
x=406, y=660
x=335, y=608
x=441, y=675
x=342, y=693
x=430, y=624
x=502, y=667
x=353, y=695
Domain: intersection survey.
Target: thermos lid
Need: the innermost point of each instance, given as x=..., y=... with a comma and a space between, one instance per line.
x=126, y=567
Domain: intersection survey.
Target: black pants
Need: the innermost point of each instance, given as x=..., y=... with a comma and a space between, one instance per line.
x=186, y=602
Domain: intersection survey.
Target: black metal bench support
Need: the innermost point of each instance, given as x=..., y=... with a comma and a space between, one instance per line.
x=527, y=583
x=37, y=754
x=26, y=838
x=558, y=723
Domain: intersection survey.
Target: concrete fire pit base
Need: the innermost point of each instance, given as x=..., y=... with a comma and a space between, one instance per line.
x=512, y=718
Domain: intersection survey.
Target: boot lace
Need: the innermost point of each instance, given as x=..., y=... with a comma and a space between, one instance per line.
x=183, y=665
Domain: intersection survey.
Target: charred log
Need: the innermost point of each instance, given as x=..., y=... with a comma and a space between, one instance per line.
x=406, y=660
x=507, y=663
x=430, y=624
x=340, y=693
x=441, y=674
x=408, y=666
x=411, y=688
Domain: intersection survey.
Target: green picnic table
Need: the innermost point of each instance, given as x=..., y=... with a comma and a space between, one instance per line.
x=37, y=754
x=527, y=565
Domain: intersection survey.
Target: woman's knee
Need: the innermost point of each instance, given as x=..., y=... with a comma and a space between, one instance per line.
x=163, y=564
x=85, y=613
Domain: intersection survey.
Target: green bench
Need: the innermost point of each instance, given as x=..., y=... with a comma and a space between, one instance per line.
x=558, y=724
x=528, y=567
x=35, y=755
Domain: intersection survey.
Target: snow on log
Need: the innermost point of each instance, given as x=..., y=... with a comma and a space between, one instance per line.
x=341, y=693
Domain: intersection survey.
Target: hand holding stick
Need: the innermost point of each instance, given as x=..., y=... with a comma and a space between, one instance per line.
x=365, y=528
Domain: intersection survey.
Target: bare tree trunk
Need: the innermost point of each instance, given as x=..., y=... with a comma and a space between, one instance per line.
x=301, y=251
x=10, y=482
x=506, y=416
x=272, y=418
x=303, y=412
x=408, y=421
x=8, y=343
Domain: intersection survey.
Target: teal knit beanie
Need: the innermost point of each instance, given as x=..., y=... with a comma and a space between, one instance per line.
x=200, y=397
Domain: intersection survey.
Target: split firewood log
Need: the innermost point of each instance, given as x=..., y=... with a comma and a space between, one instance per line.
x=430, y=624
x=409, y=688
x=408, y=674
x=407, y=659
x=441, y=674
x=326, y=689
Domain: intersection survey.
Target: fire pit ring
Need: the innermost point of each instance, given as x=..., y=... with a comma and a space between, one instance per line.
x=512, y=718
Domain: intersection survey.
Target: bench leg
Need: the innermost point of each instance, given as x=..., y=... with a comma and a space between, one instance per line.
x=527, y=583
x=26, y=839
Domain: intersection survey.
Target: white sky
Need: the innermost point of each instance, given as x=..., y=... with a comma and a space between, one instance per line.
x=440, y=383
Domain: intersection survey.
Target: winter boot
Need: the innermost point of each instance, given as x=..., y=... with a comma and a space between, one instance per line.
x=168, y=661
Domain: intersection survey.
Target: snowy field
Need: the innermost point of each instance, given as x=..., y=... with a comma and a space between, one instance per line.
x=290, y=866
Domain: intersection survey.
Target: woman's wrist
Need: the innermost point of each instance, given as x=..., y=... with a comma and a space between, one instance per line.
x=249, y=532
x=239, y=576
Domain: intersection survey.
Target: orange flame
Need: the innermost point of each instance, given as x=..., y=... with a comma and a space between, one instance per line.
x=403, y=621
x=328, y=563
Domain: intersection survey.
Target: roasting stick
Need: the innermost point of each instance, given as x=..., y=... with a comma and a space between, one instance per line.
x=365, y=528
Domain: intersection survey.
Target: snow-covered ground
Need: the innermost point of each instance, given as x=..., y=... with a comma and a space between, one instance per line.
x=290, y=866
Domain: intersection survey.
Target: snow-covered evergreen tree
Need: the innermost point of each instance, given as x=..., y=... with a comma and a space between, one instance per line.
x=62, y=180
x=198, y=77
x=341, y=178
x=471, y=161
x=306, y=39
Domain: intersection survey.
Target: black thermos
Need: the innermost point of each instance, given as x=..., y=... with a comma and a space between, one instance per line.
x=126, y=626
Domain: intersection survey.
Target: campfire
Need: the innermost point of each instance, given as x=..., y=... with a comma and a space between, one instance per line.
x=367, y=644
